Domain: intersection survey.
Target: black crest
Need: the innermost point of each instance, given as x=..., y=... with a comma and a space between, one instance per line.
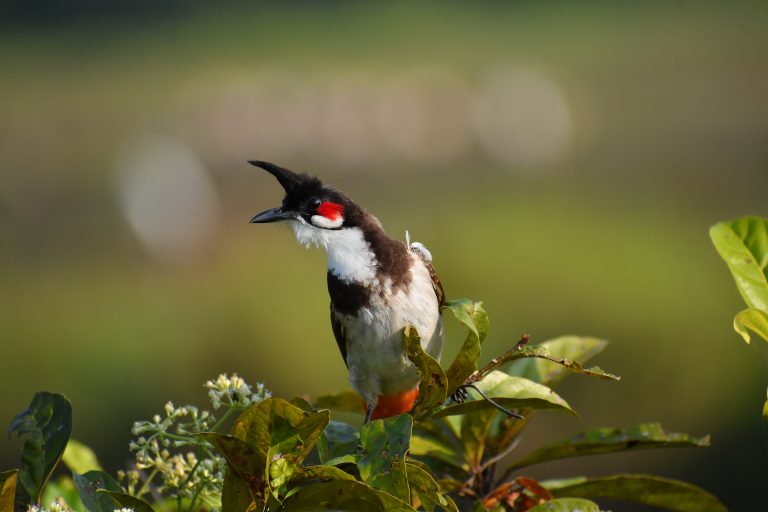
x=295, y=184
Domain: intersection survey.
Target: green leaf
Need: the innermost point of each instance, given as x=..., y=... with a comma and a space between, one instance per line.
x=566, y=505
x=126, y=501
x=79, y=458
x=275, y=428
x=8, y=489
x=743, y=244
x=510, y=392
x=753, y=319
x=45, y=427
x=573, y=348
x=245, y=462
x=422, y=446
x=87, y=486
x=308, y=473
x=343, y=496
x=237, y=495
x=647, y=489
x=346, y=401
x=608, y=440
x=382, y=463
x=338, y=440
x=433, y=387
x=426, y=489
x=765, y=410
x=542, y=352
x=474, y=317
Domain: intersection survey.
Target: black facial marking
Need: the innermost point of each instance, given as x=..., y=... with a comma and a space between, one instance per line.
x=347, y=297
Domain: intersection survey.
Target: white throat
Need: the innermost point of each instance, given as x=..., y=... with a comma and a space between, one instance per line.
x=350, y=257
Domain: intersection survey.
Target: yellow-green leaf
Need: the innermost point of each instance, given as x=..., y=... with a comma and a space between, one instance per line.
x=7, y=489
x=751, y=319
x=79, y=458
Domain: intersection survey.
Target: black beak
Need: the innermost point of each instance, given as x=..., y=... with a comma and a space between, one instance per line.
x=273, y=215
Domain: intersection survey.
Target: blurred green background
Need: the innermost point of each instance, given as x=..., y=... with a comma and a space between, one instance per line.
x=562, y=161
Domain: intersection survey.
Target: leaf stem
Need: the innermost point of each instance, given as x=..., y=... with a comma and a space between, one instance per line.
x=145, y=486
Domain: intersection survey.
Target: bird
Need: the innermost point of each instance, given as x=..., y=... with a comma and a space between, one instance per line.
x=378, y=286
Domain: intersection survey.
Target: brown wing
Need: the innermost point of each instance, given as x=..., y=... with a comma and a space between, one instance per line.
x=436, y=284
x=338, y=333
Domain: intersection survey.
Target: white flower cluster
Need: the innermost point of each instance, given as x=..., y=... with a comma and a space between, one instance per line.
x=168, y=445
x=234, y=391
x=59, y=505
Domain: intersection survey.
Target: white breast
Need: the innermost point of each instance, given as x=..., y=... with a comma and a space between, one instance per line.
x=375, y=356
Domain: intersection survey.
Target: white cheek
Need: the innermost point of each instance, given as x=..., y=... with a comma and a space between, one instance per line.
x=325, y=222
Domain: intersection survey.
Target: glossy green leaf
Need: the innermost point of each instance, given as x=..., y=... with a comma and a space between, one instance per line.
x=608, y=440
x=343, y=496
x=743, y=244
x=510, y=392
x=433, y=387
x=8, y=489
x=647, y=489
x=472, y=315
x=382, y=463
x=751, y=319
x=346, y=401
x=543, y=371
x=338, y=440
x=426, y=489
x=127, y=501
x=566, y=505
x=79, y=458
x=45, y=427
x=87, y=486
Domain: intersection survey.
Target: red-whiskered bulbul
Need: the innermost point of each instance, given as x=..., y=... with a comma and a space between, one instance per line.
x=377, y=284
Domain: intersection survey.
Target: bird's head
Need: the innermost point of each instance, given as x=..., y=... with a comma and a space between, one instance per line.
x=306, y=200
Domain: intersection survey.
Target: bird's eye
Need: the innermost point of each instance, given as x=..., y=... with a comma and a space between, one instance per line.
x=314, y=202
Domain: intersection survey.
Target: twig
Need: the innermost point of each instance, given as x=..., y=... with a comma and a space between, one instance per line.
x=491, y=401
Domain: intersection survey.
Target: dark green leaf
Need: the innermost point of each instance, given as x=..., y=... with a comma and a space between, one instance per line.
x=343, y=496
x=573, y=348
x=426, y=489
x=79, y=458
x=302, y=404
x=126, y=501
x=607, y=440
x=751, y=319
x=8, y=489
x=338, y=440
x=566, y=505
x=650, y=490
x=346, y=401
x=382, y=463
x=433, y=387
x=474, y=317
x=45, y=427
x=743, y=244
x=510, y=392
x=87, y=486
x=237, y=495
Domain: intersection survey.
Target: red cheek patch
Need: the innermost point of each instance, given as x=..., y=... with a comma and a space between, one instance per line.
x=331, y=211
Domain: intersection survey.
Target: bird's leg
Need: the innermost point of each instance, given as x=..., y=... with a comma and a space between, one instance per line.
x=368, y=413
